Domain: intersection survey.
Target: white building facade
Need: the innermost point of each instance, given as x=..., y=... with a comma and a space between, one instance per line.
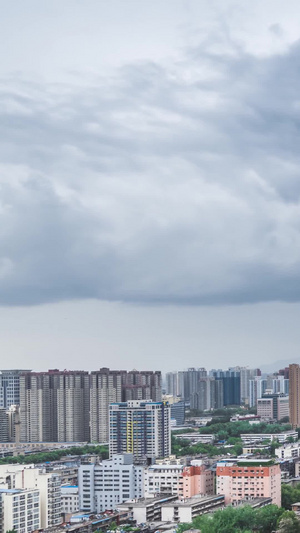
x=69, y=499
x=288, y=451
x=20, y=510
x=103, y=486
x=17, y=476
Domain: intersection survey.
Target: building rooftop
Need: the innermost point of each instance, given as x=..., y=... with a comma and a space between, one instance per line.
x=165, y=467
x=194, y=500
x=144, y=502
x=11, y=491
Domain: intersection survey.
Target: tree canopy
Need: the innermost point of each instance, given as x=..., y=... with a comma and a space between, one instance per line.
x=55, y=455
x=239, y=519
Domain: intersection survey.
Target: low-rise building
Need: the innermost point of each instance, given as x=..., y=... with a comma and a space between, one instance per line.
x=69, y=499
x=256, y=503
x=296, y=508
x=146, y=509
x=171, y=460
x=250, y=438
x=249, y=479
x=186, y=510
x=163, y=479
x=245, y=418
x=185, y=481
x=288, y=450
x=255, y=448
x=197, y=438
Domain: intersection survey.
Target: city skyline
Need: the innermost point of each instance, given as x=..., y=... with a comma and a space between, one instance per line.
x=149, y=190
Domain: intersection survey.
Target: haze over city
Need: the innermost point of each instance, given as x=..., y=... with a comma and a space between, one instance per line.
x=149, y=184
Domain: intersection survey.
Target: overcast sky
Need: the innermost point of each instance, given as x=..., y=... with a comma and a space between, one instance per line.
x=149, y=183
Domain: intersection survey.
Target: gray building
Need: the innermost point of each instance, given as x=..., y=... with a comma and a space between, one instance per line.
x=55, y=406
x=209, y=395
x=178, y=412
x=10, y=387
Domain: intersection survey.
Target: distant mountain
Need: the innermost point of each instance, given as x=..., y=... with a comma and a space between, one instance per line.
x=276, y=365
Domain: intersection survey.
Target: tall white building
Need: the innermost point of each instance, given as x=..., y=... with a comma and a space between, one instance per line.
x=17, y=476
x=50, y=493
x=257, y=387
x=173, y=385
x=141, y=428
x=104, y=485
x=20, y=510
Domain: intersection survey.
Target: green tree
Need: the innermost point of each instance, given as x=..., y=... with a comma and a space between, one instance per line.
x=237, y=519
x=289, y=495
x=267, y=518
x=288, y=523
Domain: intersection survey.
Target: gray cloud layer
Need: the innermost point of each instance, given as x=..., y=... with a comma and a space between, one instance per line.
x=171, y=184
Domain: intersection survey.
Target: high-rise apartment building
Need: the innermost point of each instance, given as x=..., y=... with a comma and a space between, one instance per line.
x=114, y=386
x=209, y=395
x=294, y=395
x=73, y=406
x=145, y=385
x=172, y=384
x=55, y=406
x=106, y=388
x=257, y=387
x=10, y=387
x=141, y=428
x=4, y=426
x=246, y=374
x=191, y=380
x=184, y=383
x=231, y=385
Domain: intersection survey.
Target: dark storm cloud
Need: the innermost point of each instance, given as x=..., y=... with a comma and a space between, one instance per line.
x=175, y=184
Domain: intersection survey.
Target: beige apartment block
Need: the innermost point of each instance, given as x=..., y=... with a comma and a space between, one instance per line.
x=248, y=480
x=20, y=510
